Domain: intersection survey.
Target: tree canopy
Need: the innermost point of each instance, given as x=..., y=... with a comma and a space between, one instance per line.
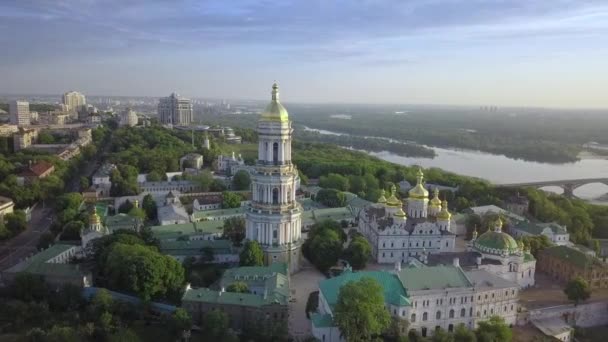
x=492, y=330
x=360, y=313
x=234, y=230
x=230, y=200
x=252, y=254
x=241, y=180
x=358, y=252
x=238, y=287
x=577, y=290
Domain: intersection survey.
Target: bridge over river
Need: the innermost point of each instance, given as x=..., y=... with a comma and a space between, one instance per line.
x=568, y=185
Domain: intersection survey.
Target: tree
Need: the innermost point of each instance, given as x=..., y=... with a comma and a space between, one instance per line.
x=149, y=205
x=28, y=287
x=230, y=200
x=238, y=287
x=331, y=197
x=577, y=290
x=205, y=180
x=62, y=334
x=537, y=243
x=124, y=335
x=144, y=271
x=125, y=207
x=138, y=213
x=241, y=180
x=181, y=321
x=72, y=230
x=463, y=334
x=324, y=249
x=493, y=330
x=334, y=181
x=84, y=183
x=101, y=302
x=234, y=230
x=251, y=255
x=154, y=176
x=360, y=313
x=45, y=240
x=216, y=323
x=358, y=252
x=441, y=335
x=15, y=222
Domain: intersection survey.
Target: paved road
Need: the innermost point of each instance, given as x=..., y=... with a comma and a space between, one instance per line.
x=304, y=282
x=24, y=244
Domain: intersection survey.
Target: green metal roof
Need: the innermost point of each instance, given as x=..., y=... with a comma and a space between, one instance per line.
x=192, y=247
x=209, y=227
x=38, y=264
x=494, y=242
x=206, y=214
x=394, y=292
x=209, y=296
x=528, y=257
x=253, y=271
x=335, y=214
x=322, y=320
x=436, y=277
x=537, y=228
x=102, y=210
x=183, y=228
x=121, y=221
x=571, y=255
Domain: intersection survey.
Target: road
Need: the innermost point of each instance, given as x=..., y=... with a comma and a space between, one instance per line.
x=304, y=282
x=24, y=244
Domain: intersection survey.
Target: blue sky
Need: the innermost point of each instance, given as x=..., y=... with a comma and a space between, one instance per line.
x=523, y=53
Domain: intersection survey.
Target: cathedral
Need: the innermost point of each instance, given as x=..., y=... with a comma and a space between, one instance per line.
x=274, y=217
x=397, y=236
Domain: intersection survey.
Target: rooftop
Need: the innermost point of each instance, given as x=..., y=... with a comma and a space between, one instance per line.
x=322, y=320
x=194, y=247
x=571, y=255
x=436, y=277
x=37, y=169
x=484, y=279
x=394, y=292
x=197, y=215
x=537, y=228
x=38, y=264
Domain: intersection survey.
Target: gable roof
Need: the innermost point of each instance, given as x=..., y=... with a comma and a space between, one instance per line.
x=571, y=255
x=37, y=169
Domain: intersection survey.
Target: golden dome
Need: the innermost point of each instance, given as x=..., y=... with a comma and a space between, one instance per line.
x=393, y=201
x=382, y=198
x=444, y=214
x=94, y=218
x=400, y=213
x=275, y=110
x=435, y=202
x=418, y=191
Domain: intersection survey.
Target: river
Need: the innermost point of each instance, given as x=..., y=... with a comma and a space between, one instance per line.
x=499, y=169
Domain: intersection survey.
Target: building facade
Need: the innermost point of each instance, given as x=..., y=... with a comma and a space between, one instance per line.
x=175, y=110
x=563, y=263
x=6, y=207
x=555, y=232
x=397, y=236
x=428, y=297
x=274, y=217
x=128, y=118
x=19, y=113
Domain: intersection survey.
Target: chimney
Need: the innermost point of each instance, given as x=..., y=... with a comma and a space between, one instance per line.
x=456, y=262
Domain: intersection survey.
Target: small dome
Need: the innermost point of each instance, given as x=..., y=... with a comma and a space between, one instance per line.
x=94, y=218
x=444, y=214
x=382, y=198
x=275, y=110
x=400, y=214
x=393, y=201
x=418, y=191
x=435, y=202
x=493, y=242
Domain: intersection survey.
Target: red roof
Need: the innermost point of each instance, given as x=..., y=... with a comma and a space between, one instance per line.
x=38, y=169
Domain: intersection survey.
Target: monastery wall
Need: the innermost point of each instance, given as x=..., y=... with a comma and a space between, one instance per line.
x=583, y=315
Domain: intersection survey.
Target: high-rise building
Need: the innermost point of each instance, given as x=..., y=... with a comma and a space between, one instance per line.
x=74, y=100
x=19, y=112
x=175, y=110
x=128, y=118
x=274, y=216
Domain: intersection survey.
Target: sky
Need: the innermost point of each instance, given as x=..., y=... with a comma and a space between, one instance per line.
x=548, y=53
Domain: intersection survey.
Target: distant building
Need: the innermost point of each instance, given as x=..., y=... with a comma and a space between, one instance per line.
x=518, y=204
x=265, y=307
x=230, y=164
x=35, y=171
x=73, y=100
x=95, y=230
x=128, y=118
x=101, y=177
x=207, y=202
x=123, y=222
x=564, y=264
x=191, y=160
x=8, y=130
x=19, y=112
x=175, y=110
x=223, y=251
x=6, y=207
x=24, y=138
x=230, y=137
x=172, y=212
x=553, y=231
x=204, y=230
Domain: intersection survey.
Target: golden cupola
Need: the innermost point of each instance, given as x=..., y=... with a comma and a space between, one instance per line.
x=435, y=201
x=275, y=110
x=418, y=191
x=393, y=201
x=400, y=214
x=94, y=219
x=444, y=214
x=382, y=198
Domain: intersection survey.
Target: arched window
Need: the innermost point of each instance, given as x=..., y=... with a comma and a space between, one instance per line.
x=452, y=313
x=425, y=316
x=471, y=312
x=275, y=196
x=413, y=318
x=463, y=312
x=275, y=152
x=450, y=327
x=438, y=315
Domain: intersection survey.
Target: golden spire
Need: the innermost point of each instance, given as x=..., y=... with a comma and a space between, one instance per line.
x=275, y=110
x=393, y=201
x=435, y=202
x=475, y=232
x=498, y=225
x=444, y=214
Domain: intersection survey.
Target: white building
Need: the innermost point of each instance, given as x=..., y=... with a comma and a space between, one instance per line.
x=428, y=297
x=274, y=216
x=553, y=231
x=101, y=177
x=230, y=164
x=172, y=212
x=397, y=236
x=191, y=160
x=175, y=110
x=128, y=118
x=95, y=230
x=19, y=112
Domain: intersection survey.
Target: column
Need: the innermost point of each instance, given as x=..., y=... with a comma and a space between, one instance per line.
x=280, y=156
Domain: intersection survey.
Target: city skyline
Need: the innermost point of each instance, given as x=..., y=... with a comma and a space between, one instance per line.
x=520, y=53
